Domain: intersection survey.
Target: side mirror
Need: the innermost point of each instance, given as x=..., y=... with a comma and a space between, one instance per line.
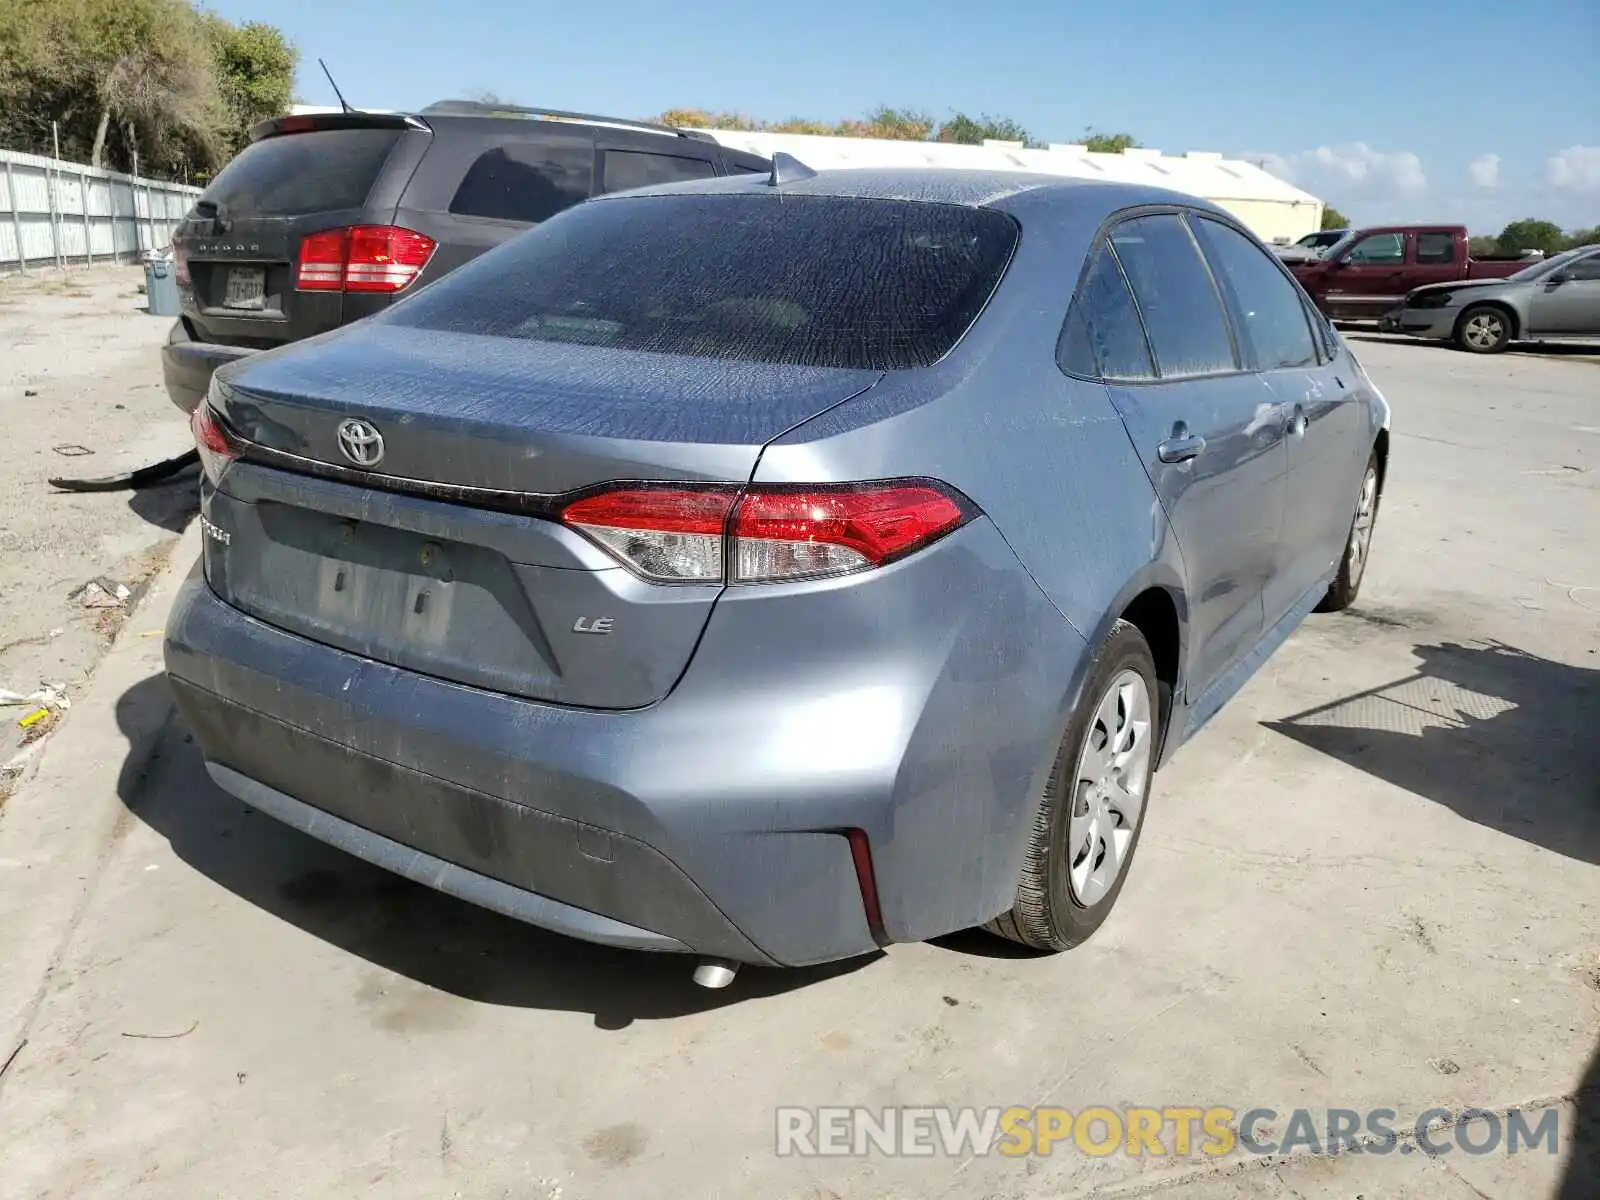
x=1558, y=277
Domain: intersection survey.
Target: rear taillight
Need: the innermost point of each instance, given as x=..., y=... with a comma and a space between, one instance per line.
x=712, y=534
x=180, y=262
x=321, y=265
x=362, y=258
x=216, y=450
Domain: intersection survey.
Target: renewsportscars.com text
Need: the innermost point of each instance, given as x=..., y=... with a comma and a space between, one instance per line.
x=1175, y=1130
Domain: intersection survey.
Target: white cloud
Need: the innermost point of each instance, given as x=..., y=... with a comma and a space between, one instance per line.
x=1371, y=186
x=1576, y=169
x=1352, y=172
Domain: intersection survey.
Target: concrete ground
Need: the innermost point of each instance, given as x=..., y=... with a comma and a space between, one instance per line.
x=80, y=396
x=1372, y=882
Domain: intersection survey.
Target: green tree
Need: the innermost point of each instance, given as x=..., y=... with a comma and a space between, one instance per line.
x=1584, y=237
x=1332, y=218
x=699, y=118
x=157, y=82
x=1531, y=234
x=1482, y=247
x=895, y=124
x=802, y=125
x=1108, y=143
x=966, y=130
x=255, y=71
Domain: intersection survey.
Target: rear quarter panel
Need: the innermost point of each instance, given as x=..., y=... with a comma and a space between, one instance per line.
x=1047, y=459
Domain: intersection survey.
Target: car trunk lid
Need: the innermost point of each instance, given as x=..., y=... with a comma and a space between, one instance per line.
x=445, y=555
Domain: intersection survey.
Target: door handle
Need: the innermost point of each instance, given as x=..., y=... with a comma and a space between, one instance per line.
x=1181, y=446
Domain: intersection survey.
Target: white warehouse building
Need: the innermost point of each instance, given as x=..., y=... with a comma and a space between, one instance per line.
x=1276, y=211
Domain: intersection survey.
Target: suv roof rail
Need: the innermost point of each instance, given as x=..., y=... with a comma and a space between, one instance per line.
x=477, y=108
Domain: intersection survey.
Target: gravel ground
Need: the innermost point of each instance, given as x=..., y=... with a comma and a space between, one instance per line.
x=78, y=372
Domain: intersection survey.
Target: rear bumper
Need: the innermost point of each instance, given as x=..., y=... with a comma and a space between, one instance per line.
x=714, y=822
x=187, y=366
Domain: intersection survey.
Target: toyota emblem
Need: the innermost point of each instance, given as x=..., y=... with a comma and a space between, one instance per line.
x=361, y=442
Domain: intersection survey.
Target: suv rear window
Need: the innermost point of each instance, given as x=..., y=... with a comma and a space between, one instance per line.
x=812, y=280
x=323, y=170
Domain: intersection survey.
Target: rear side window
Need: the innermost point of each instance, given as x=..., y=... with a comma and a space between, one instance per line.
x=527, y=181
x=323, y=170
x=1266, y=307
x=1182, y=312
x=1436, y=248
x=812, y=280
x=1103, y=338
x=626, y=169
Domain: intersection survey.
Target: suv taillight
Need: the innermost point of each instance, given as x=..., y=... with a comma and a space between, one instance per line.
x=180, y=262
x=711, y=534
x=362, y=258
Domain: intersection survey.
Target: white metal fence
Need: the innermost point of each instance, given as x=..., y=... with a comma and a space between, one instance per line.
x=55, y=213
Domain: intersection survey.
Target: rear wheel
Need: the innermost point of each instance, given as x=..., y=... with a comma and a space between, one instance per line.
x=1483, y=329
x=1353, y=565
x=1092, y=811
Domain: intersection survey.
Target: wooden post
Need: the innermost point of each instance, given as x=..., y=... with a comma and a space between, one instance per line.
x=16, y=217
x=88, y=226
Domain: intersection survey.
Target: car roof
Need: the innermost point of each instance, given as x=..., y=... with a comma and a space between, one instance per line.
x=940, y=185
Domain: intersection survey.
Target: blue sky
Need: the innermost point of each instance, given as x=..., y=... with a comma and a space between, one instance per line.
x=1427, y=110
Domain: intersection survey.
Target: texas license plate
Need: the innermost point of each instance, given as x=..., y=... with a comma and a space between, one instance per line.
x=247, y=288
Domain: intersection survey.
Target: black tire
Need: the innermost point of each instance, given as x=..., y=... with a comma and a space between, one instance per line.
x=1047, y=914
x=1346, y=584
x=1483, y=329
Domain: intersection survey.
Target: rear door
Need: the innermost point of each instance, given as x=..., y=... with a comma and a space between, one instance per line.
x=1369, y=278
x=485, y=181
x=239, y=245
x=1210, y=434
x=1437, y=256
x=1324, y=424
x=1571, y=306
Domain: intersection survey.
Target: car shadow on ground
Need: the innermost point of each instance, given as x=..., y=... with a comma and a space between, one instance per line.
x=1501, y=737
x=402, y=926
x=170, y=504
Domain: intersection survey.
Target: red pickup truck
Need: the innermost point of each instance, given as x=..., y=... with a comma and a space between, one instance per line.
x=1369, y=271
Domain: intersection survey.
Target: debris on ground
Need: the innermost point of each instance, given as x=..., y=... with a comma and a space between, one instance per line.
x=47, y=695
x=141, y=477
x=45, y=706
x=101, y=593
x=72, y=450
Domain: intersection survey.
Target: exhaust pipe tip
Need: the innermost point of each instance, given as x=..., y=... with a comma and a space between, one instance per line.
x=715, y=973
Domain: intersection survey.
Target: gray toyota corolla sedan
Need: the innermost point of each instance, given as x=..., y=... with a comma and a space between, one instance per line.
x=774, y=568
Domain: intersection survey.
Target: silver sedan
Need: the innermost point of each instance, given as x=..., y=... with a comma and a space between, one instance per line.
x=1556, y=300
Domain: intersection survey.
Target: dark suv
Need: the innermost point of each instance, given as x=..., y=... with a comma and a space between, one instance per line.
x=325, y=219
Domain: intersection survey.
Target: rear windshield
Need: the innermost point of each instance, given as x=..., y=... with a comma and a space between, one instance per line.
x=320, y=171
x=812, y=280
